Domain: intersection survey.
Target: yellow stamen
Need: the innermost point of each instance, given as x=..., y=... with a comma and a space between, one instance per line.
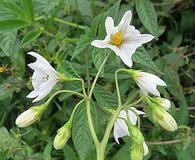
x=117, y=38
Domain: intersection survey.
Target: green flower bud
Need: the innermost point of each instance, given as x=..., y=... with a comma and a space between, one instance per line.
x=136, y=135
x=63, y=134
x=30, y=116
x=163, y=118
x=136, y=151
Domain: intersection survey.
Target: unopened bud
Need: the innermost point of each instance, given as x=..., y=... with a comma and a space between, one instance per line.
x=165, y=103
x=136, y=151
x=63, y=134
x=163, y=118
x=136, y=134
x=30, y=116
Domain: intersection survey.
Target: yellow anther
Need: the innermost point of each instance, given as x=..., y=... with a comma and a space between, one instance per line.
x=117, y=38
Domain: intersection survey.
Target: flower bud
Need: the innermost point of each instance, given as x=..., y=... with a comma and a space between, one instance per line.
x=165, y=103
x=136, y=135
x=163, y=118
x=30, y=116
x=136, y=151
x=63, y=134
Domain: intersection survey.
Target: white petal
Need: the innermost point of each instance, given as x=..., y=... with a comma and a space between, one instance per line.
x=133, y=36
x=41, y=60
x=126, y=55
x=33, y=94
x=125, y=21
x=44, y=89
x=100, y=43
x=109, y=25
x=38, y=78
x=148, y=86
x=133, y=117
x=120, y=129
x=153, y=78
x=138, y=111
x=145, y=147
x=166, y=103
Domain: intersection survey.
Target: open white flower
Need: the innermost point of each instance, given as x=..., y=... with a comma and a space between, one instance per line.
x=44, y=77
x=147, y=82
x=120, y=127
x=123, y=39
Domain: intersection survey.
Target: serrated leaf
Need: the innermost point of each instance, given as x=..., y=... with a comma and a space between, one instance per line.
x=104, y=97
x=10, y=10
x=80, y=132
x=142, y=57
x=67, y=69
x=98, y=56
x=84, y=8
x=69, y=153
x=28, y=9
x=82, y=44
x=28, y=38
x=7, y=43
x=12, y=25
x=147, y=15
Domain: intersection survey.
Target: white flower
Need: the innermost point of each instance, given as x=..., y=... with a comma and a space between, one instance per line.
x=44, y=77
x=148, y=82
x=29, y=116
x=120, y=127
x=123, y=39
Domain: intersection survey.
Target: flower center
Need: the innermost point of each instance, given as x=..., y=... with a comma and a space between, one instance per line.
x=117, y=38
x=45, y=77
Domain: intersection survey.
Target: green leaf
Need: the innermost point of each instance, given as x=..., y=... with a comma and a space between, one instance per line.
x=147, y=15
x=47, y=150
x=11, y=25
x=28, y=9
x=80, y=132
x=142, y=57
x=84, y=8
x=69, y=153
x=67, y=69
x=82, y=44
x=30, y=37
x=98, y=56
x=10, y=10
x=7, y=44
x=104, y=97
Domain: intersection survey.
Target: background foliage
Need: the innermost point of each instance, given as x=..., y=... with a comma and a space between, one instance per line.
x=62, y=30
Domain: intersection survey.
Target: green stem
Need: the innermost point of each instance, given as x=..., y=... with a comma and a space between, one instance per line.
x=63, y=22
x=74, y=110
x=99, y=150
x=62, y=91
x=97, y=75
x=90, y=122
x=69, y=23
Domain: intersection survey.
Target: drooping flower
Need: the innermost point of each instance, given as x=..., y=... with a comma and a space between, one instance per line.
x=120, y=127
x=30, y=116
x=63, y=134
x=147, y=82
x=123, y=39
x=44, y=77
x=163, y=118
